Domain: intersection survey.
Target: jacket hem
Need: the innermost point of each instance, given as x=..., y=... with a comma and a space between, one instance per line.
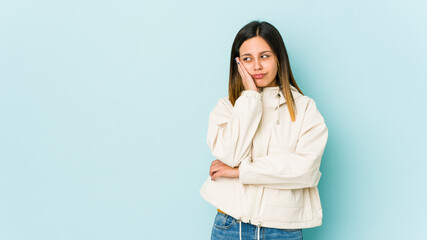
x=316, y=222
x=296, y=225
x=218, y=204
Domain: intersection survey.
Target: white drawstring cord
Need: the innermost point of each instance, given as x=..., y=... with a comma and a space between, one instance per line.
x=240, y=228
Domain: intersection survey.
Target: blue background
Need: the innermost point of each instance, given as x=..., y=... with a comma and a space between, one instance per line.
x=104, y=108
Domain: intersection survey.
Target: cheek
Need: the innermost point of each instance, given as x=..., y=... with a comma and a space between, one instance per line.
x=272, y=67
x=246, y=65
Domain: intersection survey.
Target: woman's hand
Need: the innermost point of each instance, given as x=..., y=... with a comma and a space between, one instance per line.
x=248, y=81
x=220, y=169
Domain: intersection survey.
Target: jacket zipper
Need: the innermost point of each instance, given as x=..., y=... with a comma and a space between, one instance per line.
x=252, y=205
x=252, y=188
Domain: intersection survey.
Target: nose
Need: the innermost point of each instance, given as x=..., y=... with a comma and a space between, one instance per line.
x=257, y=64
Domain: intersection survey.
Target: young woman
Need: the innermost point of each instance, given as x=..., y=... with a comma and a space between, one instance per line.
x=268, y=139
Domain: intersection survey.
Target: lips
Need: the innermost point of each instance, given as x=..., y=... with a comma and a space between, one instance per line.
x=258, y=75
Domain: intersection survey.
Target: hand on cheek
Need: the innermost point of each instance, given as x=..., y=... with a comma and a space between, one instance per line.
x=247, y=80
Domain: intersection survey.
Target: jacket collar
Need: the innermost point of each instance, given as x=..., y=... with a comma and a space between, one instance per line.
x=294, y=92
x=282, y=99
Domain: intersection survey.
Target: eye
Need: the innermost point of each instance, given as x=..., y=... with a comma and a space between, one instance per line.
x=265, y=56
x=246, y=59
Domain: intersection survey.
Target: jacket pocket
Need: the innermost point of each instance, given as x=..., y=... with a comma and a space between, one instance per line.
x=224, y=221
x=286, y=205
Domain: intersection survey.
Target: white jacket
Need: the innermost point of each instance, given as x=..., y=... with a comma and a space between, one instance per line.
x=279, y=159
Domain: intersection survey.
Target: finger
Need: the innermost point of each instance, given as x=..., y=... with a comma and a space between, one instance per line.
x=216, y=175
x=245, y=71
x=219, y=165
x=242, y=67
x=214, y=163
x=213, y=169
x=239, y=69
x=246, y=77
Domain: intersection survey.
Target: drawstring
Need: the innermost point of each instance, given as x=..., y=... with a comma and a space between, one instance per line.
x=240, y=228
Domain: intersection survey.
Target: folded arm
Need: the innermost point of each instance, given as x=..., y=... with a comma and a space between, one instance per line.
x=231, y=129
x=291, y=169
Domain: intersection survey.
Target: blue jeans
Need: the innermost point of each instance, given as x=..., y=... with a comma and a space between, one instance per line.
x=226, y=227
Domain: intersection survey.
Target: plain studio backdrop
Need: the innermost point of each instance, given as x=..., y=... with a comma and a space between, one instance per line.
x=104, y=109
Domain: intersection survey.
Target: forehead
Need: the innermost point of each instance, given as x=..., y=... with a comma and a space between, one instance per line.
x=254, y=45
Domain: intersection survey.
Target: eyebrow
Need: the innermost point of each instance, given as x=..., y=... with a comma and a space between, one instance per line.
x=251, y=55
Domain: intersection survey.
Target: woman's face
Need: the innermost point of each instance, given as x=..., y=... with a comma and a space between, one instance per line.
x=260, y=61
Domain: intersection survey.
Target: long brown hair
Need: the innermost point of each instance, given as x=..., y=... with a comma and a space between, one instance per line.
x=284, y=77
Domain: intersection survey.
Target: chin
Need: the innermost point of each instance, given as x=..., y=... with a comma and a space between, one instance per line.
x=263, y=84
x=260, y=84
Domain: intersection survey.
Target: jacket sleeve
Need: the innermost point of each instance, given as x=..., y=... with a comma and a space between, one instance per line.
x=231, y=129
x=291, y=169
